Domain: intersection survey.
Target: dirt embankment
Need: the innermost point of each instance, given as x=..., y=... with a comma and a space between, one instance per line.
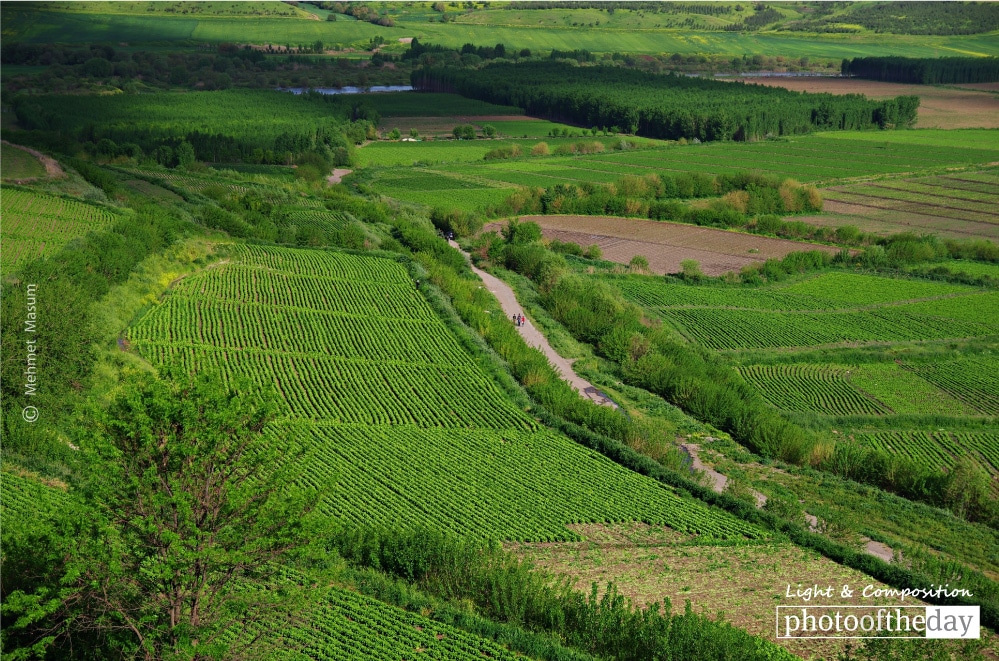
x=52, y=168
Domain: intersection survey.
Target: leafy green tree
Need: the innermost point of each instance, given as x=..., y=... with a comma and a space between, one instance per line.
x=517, y=232
x=184, y=154
x=190, y=515
x=489, y=131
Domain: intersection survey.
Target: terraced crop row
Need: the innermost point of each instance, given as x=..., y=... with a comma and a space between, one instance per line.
x=328, y=264
x=818, y=388
x=35, y=225
x=24, y=497
x=904, y=391
x=511, y=484
x=238, y=282
x=231, y=324
x=941, y=189
x=738, y=329
x=960, y=182
x=318, y=219
x=352, y=627
x=906, y=206
x=907, y=193
x=829, y=291
x=974, y=381
x=356, y=391
x=938, y=449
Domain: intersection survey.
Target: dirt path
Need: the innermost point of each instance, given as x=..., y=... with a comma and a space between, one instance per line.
x=52, y=167
x=534, y=337
x=718, y=481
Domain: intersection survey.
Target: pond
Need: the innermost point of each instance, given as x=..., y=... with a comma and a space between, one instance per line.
x=350, y=89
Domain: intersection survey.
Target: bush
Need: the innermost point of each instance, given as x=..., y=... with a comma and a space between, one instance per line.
x=540, y=149
x=461, y=223
x=512, y=151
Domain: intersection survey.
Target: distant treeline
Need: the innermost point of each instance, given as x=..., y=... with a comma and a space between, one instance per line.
x=668, y=107
x=924, y=71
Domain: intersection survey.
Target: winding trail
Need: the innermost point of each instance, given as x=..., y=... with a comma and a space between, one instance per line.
x=534, y=337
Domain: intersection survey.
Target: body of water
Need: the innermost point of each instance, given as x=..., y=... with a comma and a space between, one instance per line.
x=374, y=89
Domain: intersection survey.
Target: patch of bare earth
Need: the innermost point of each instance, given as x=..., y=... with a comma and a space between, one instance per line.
x=983, y=87
x=664, y=244
x=338, y=175
x=939, y=107
x=743, y=583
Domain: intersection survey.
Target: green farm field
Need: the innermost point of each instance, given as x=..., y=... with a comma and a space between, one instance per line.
x=329, y=332
x=838, y=308
x=18, y=164
x=811, y=158
x=850, y=387
x=91, y=25
x=440, y=152
x=260, y=114
x=37, y=225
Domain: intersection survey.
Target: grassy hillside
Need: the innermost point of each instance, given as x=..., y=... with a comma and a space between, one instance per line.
x=89, y=26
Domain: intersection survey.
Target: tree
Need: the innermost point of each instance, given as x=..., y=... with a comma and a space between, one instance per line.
x=184, y=154
x=517, y=232
x=489, y=131
x=191, y=512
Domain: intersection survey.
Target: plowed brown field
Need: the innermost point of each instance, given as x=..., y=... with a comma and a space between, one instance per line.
x=665, y=245
x=939, y=107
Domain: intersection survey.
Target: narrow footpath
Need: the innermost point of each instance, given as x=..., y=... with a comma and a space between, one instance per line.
x=534, y=337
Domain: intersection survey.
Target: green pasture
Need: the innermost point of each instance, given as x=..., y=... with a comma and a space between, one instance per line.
x=29, y=25
x=435, y=152
x=18, y=164
x=538, y=128
x=955, y=138
x=805, y=158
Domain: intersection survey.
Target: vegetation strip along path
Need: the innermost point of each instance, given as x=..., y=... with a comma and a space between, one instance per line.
x=508, y=301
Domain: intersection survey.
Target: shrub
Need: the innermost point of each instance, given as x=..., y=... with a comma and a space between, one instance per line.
x=540, y=149
x=639, y=263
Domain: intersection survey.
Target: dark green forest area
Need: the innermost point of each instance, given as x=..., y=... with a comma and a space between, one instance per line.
x=669, y=107
x=923, y=71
